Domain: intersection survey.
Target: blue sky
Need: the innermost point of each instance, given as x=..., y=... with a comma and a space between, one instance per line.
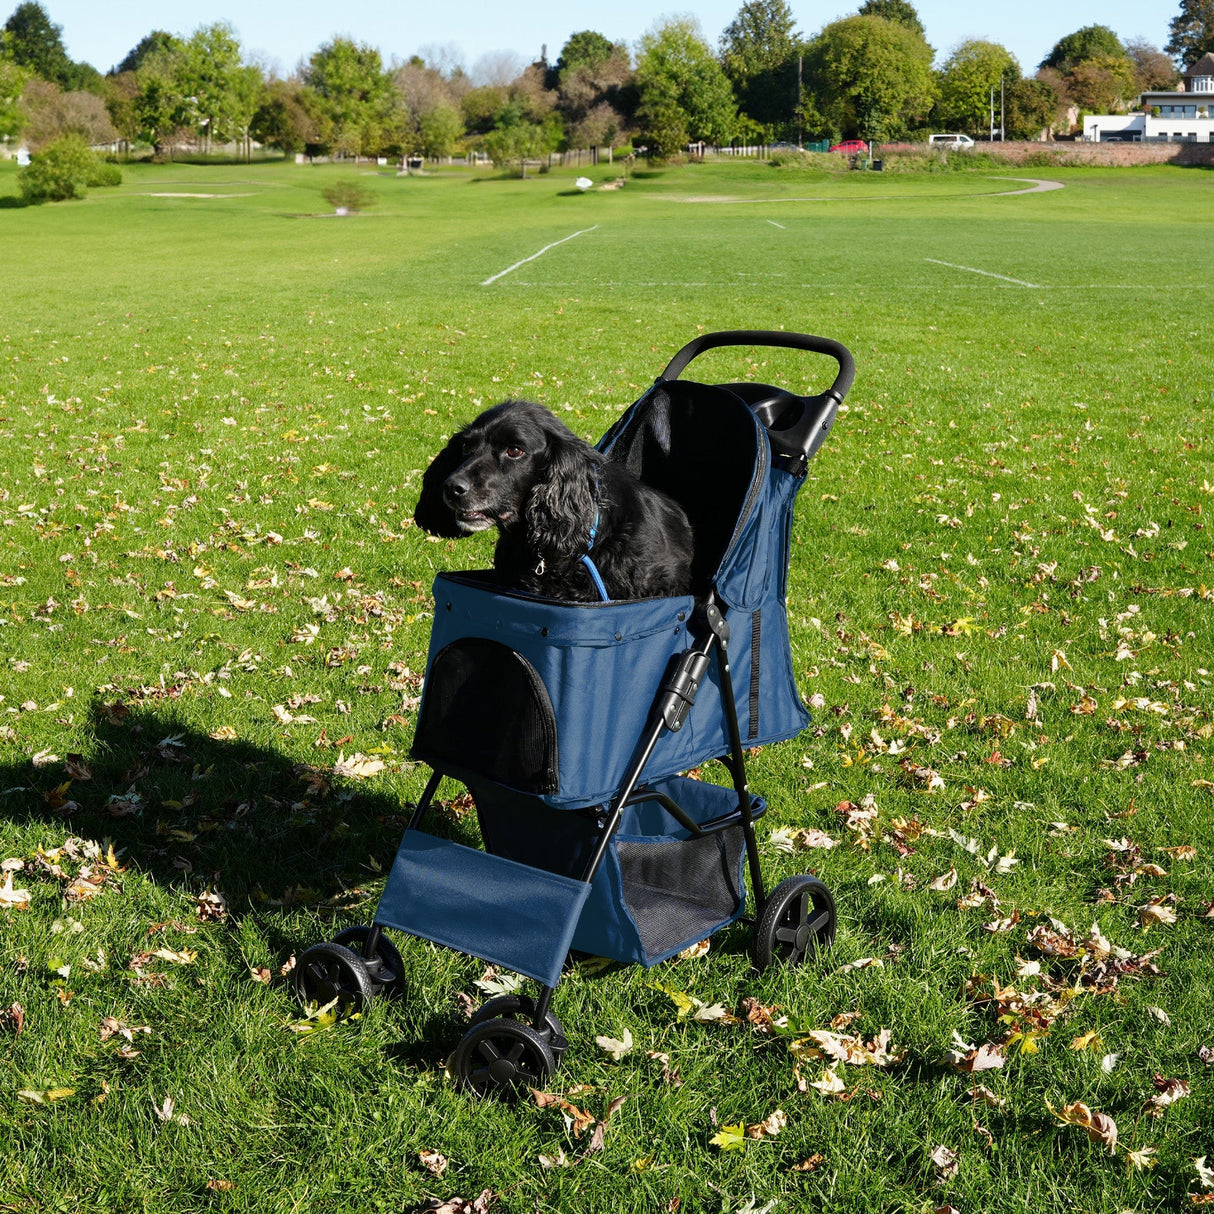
x=285, y=31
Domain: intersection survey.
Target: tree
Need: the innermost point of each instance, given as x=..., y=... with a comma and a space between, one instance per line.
x=900, y=12
x=158, y=41
x=1091, y=42
x=13, y=79
x=223, y=90
x=52, y=114
x=587, y=49
x=1192, y=31
x=759, y=50
x=431, y=107
x=1152, y=68
x=593, y=79
x=37, y=44
x=1030, y=107
x=868, y=78
x=684, y=93
x=354, y=94
x=1101, y=85
x=515, y=139
x=281, y=119
x=966, y=80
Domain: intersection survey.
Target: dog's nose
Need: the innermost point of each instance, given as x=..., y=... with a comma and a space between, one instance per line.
x=454, y=488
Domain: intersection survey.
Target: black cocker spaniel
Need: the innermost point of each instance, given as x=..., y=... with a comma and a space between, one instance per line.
x=555, y=500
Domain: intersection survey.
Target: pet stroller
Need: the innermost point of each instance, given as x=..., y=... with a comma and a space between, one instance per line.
x=571, y=725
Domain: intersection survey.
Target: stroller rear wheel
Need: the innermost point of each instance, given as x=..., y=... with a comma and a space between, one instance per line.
x=798, y=918
x=502, y=1057
x=387, y=969
x=328, y=973
x=522, y=1008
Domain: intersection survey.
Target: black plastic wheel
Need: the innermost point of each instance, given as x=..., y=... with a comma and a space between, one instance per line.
x=386, y=969
x=328, y=972
x=522, y=1008
x=501, y=1058
x=798, y=919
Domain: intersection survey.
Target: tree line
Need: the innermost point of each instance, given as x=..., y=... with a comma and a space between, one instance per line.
x=869, y=75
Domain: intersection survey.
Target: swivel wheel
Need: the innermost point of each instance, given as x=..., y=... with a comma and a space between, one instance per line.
x=798, y=918
x=502, y=1057
x=386, y=969
x=522, y=1008
x=328, y=973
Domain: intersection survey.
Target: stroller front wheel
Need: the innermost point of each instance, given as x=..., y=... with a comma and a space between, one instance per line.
x=522, y=1007
x=387, y=969
x=331, y=973
x=502, y=1057
x=798, y=919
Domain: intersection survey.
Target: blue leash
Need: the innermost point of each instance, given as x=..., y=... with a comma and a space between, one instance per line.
x=585, y=559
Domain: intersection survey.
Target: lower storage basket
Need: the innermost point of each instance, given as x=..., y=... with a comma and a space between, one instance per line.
x=659, y=889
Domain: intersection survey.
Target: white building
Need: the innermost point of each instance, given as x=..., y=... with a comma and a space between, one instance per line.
x=1183, y=116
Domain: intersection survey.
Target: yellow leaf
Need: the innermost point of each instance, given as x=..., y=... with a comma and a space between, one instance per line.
x=730, y=1137
x=28, y=1096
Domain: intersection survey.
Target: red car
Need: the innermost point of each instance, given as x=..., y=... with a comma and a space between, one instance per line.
x=850, y=146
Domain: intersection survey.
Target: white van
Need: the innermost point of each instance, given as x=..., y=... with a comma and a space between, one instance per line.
x=950, y=141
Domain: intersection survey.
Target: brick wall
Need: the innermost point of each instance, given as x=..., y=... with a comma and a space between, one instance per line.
x=1105, y=154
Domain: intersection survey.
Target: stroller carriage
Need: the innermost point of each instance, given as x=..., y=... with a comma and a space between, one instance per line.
x=571, y=724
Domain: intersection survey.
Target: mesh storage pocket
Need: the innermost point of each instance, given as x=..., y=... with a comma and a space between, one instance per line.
x=486, y=711
x=681, y=890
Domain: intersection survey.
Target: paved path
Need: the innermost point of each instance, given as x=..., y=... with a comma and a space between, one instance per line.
x=1038, y=186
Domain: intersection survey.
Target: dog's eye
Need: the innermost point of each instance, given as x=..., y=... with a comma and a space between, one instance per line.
x=515, y=452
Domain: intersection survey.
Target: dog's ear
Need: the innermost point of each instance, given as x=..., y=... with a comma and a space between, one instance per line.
x=432, y=514
x=561, y=508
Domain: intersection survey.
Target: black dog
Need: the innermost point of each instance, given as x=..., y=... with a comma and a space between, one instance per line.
x=554, y=500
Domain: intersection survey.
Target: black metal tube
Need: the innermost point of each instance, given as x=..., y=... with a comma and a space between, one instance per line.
x=738, y=770
x=424, y=804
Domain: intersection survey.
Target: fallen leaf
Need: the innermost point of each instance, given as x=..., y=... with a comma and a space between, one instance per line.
x=357, y=766
x=944, y=882
x=1100, y=1127
x=946, y=1161
x=433, y=1161
x=615, y=1048
x=30, y=1096
x=730, y=1137
x=13, y=899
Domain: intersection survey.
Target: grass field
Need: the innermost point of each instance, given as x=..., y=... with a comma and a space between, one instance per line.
x=216, y=403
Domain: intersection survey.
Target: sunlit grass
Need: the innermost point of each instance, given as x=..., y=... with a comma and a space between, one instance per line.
x=216, y=411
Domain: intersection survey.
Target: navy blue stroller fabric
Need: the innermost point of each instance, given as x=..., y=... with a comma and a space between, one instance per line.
x=495, y=656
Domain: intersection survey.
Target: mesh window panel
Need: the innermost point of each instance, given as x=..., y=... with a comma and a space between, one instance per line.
x=679, y=891
x=486, y=711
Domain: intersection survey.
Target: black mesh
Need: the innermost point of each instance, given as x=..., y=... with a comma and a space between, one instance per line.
x=698, y=444
x=679, y=891
x=486, y=712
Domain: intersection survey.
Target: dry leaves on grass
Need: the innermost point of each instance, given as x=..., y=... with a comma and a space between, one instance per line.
x=844, y=1047
x=734, y=1137
x=358, y=766
x=1100, y=1127
x=482, y=1203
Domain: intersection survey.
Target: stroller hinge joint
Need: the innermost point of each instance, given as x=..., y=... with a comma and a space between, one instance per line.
x=679, y=690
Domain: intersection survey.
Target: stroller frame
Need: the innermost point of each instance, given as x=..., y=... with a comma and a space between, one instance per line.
x=515, y=1040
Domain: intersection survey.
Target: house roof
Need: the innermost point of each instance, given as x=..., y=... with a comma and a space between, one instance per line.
x=1203, y=67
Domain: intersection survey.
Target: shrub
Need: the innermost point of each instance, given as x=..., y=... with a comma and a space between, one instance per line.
x=104, y=174
x=346, y=195
x=60, y=171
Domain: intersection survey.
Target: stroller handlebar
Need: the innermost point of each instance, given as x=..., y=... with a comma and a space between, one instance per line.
x=796, y=425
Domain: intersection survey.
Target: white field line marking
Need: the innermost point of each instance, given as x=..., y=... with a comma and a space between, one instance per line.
x=970, y=270
x=525, y=260
x=777, y=225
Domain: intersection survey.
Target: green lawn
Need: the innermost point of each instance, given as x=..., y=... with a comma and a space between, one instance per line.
x=216, y=402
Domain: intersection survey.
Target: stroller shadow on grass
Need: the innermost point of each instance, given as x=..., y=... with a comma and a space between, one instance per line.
x=193, y=811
